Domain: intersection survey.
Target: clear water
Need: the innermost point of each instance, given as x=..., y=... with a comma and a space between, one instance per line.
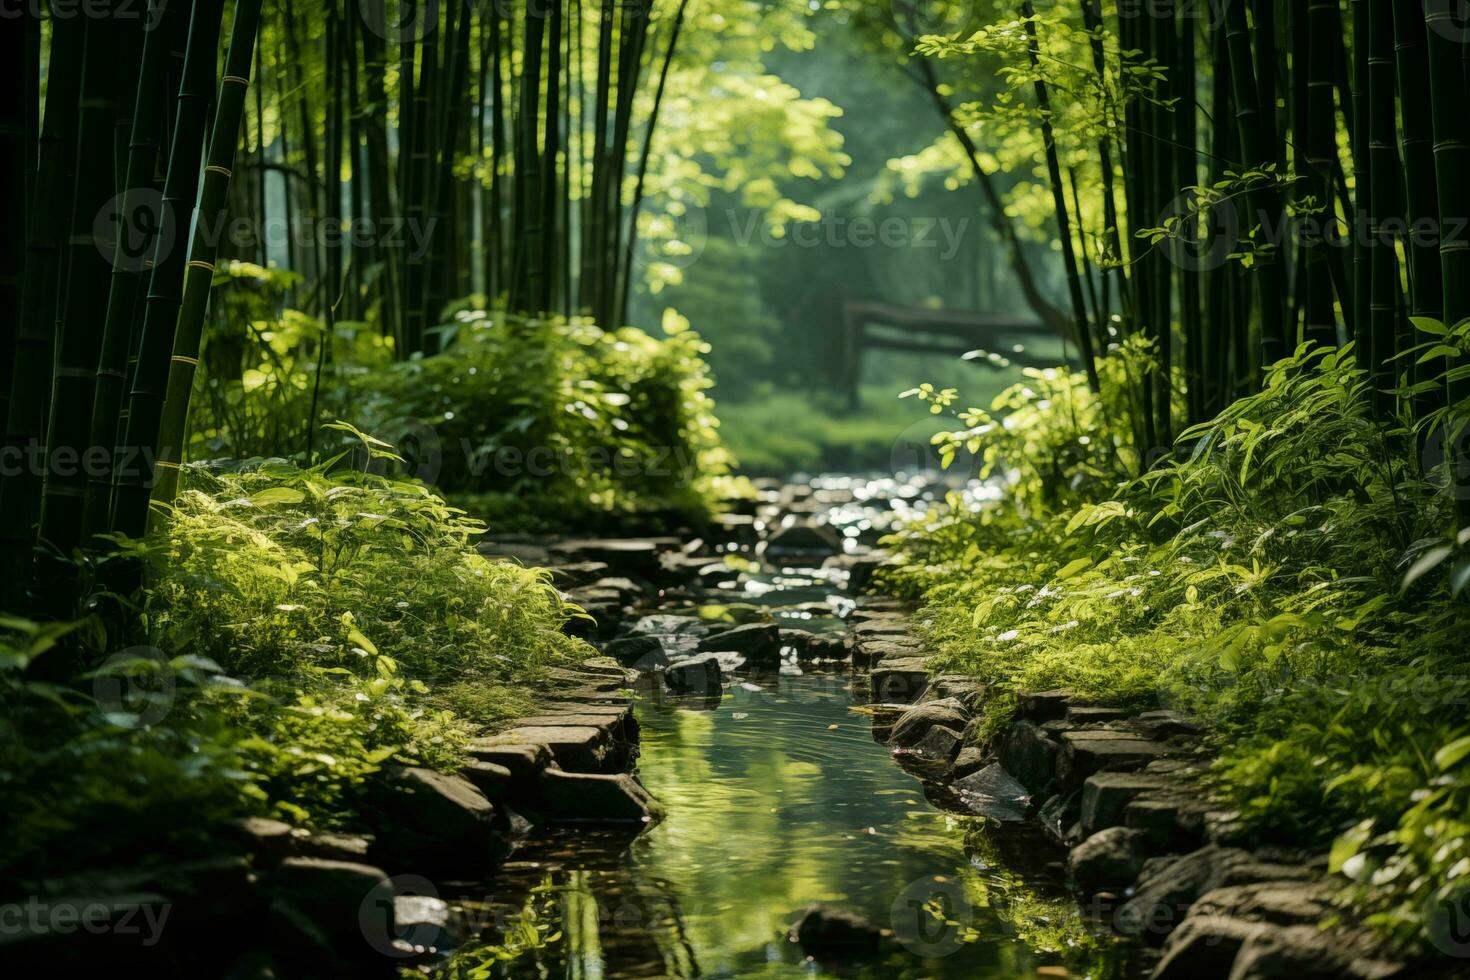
x=778, y=798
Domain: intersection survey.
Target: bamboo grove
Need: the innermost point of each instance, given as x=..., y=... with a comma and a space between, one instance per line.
x=1263, y=174
x=392, y=156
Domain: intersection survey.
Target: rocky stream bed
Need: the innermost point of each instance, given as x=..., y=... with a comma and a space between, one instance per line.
x=762, y=776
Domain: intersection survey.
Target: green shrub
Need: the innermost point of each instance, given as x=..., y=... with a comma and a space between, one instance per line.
x=555, y=421
x=1272, y=579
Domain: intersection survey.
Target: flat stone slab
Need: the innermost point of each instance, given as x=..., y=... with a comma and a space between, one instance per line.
x=900, y=680
x=590, y=798
x=575, y=748
x=992, y=792
x=1103, y=750
x=1105, y=795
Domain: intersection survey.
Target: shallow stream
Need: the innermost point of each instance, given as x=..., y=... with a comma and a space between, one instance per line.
x=778, y=796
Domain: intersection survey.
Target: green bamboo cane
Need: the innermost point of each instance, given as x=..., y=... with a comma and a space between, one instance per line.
x=35, y=333
x=1451, y=164
x=1426, y=279
x=1258, y=140
x=1319, y=143
x=127, y=267
x=79, y=341
x=1388, y=195
x=1080, y=325
x=161, y=307
x=15, y=147
x=650, y=129
x=212, y=199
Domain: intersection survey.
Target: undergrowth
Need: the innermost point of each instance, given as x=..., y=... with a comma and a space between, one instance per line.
x=319, y=624
x=1281, y=577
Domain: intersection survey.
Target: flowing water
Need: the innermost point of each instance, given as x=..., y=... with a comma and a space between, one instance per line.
x=778, y=796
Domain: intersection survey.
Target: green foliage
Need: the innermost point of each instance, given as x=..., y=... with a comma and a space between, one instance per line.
x=550, y=419
x=321, y=623
x=1282, y=577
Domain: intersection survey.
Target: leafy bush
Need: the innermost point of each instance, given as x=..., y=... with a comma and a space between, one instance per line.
x=321, y=623
x=1272, y=579
x=555, y=420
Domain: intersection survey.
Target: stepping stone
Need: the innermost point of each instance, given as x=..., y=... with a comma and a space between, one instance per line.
x=1106, y=795
x=428, y=821
x=758, y=643
x=575, y=748
x=701, y=675
x=1102, y=750
x=900, y=680
x=992, y=792
x=587, y=798
x=1029, y=755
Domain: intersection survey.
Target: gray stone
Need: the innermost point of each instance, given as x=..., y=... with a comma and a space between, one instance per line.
x=588, y=798
x=914, y=723
x=1031, y=757
x=523, y=760
x=699, y=675
x=576, y=748
x=1106, y=861
x=803, y=538
x=758, y=643
x=1044, y=705
x=1106, y=794
x=574, y=575
x=425, y=924
x=1168, y=886
x=971, y=759
x=1058, y=819
x=644, y=653
x=870, y=651
x=332, y=894
x=1173, y=821
x=992, y=792
x=828, y=933
x=493, y=780
x=424, y=821
x=900, y=681
x=1104, y=750
x=638, y=556
x=967, y=690
x=1092, y=714
x=932, y=754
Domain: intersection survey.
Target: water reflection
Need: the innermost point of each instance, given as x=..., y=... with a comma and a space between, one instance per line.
x=777, y=799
